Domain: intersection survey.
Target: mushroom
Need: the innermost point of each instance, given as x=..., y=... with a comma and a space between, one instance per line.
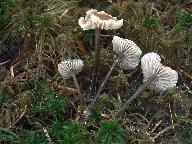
x=98, y=21
x=70, y=68
x=129, y=52
x=101, y=20
x=128, y=56
x=165, y=76
x=157, y=77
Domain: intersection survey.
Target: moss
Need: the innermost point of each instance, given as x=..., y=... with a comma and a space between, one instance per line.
x=28, y=106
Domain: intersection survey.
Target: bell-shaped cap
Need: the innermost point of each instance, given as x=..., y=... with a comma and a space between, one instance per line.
x=129, y=52
x=102, y=20
x=69, y=67
x=165, y=77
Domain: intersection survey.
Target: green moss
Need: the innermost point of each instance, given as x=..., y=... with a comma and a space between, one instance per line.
x=35, y=138
x=111, y=132
x=46, y=99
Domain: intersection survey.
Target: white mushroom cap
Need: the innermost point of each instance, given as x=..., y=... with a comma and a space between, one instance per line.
x=129, y=51
x=100, y=20
x=165, y=76
x=69, y=67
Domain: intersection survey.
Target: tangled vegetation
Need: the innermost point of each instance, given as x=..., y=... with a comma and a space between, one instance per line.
x=38, y=106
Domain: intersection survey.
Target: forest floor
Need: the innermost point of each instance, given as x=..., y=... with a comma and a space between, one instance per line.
x=39, y=106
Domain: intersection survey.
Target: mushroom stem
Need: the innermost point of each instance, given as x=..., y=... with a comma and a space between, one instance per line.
x=77, y=87
x=104, y=82
x=97, y=60
x=139, y=90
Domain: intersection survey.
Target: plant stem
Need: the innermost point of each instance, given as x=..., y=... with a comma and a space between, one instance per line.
x=96, y=61
x=139, y=90
x=40, y=46
x=104, y=82
x=78, y=88
x=163, y=131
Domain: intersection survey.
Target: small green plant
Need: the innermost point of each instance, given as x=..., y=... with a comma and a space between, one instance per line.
x=45, y=21
x=110, y=132
x=149, y=21
x=187, y=141
x=3, y=97
x=184, y=18
x=27, y=22
x=56, y=129
x=87, y=35
x=73, y=134
x=7, y=136
x=46, y=99
x=35, y=138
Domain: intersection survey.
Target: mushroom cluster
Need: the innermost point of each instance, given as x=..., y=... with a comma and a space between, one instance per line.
x=102, y=20
x=157, y=77
x=129, y=52
x=165, y=77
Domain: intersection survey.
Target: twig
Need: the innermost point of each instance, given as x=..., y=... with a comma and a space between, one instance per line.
x=156, y=125
x=64, y=88
x=102, y=35
x=190, y=91
x=155, y=115
x=12, y=72
x=12, y=69
x=162, y=132
x=21, y=115
x=169, y=105
x=2, y=63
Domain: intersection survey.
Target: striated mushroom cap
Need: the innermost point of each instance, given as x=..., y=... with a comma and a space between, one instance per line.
x=69, y=67
x=100, y=20
x=165, y=76
x=129, y=51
